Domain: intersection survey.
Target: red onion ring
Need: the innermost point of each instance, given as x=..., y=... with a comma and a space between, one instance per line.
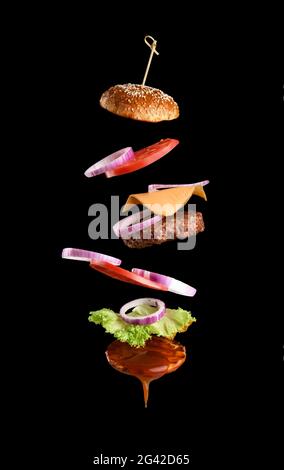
x=155, y=187
x=128, y=226
x=173, y=285
x=147, y=319
x=110, y=162
x=84, y=255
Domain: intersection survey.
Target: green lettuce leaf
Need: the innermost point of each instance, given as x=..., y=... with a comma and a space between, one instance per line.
x=173, y=322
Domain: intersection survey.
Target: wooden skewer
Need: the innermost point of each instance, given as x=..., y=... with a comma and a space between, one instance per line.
x=152, y=46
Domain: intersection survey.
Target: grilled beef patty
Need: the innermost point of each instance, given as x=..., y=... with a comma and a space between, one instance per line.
x=169, y=228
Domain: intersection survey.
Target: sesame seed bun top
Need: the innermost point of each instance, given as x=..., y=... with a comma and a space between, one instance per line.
x=139, y=102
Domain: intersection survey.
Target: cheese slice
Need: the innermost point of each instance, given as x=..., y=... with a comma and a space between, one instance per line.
x=165, y=202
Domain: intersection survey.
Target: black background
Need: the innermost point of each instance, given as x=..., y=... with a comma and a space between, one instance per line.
x=228, y=86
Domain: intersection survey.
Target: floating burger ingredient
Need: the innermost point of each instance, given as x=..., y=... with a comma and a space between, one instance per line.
x=158, y=357
x=109, y=265
x=162, y=219
x=140, y=102
x=144, y=345
x=144, y=278
x=127, y=161
x=84, y=255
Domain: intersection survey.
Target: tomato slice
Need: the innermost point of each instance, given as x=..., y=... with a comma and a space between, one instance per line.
x=144, y=157
x=124, y=275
